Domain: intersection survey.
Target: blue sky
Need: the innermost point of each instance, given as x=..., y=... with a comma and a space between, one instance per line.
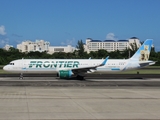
x=63, y=22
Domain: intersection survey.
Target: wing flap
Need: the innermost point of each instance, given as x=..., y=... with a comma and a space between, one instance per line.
x=89, y=68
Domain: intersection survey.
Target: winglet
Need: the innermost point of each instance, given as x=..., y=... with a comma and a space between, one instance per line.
x=104, y=62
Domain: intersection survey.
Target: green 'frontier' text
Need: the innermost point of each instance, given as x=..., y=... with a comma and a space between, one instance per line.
x=53, y=64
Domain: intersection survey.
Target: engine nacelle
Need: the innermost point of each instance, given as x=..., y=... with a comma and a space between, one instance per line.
x=65, y=73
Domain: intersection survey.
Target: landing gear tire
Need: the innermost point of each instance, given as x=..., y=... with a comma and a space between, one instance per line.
x=57, y=75
x=80, y=77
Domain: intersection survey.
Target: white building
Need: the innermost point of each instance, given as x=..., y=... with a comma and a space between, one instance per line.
x=38, y=45
x=6, y=47
x=66, y=49
x=110, y=45
x=134, y=40
x=91, y=45
x=41, y=45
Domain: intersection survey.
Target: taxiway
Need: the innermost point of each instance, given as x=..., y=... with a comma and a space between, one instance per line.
x=43, y=98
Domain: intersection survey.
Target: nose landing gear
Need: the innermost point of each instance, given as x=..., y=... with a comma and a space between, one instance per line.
x=21, y=76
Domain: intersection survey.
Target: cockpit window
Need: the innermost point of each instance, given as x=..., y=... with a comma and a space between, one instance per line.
x=11, y=63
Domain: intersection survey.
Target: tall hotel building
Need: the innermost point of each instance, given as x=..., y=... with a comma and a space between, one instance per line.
x=110, y=45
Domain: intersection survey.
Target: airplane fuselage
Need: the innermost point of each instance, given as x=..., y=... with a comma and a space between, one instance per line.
x=54, y=65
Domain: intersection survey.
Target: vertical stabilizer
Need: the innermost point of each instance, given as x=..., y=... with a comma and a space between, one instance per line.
x=143, y=52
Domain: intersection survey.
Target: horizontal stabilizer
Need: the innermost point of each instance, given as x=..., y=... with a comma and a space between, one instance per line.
x=147, y=63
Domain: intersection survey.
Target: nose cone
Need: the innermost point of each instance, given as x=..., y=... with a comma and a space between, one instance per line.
x=5, y=68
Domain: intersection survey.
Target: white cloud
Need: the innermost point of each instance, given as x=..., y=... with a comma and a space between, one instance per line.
x=3, y=38
x=69, y=42
x=16, y=35
x=111, y=36
x=2, y=30
x=18, y=41
x=3, y=41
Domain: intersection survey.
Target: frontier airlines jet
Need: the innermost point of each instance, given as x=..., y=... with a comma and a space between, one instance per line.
x=65, y=68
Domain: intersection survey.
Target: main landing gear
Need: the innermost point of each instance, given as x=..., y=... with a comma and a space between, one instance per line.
x=80, y=77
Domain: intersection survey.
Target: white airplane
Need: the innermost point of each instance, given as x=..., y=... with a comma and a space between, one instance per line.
x=65, y=68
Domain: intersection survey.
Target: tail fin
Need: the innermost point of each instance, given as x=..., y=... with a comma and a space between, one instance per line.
x=143, y=52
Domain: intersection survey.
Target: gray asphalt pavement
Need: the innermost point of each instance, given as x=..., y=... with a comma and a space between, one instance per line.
x=92, y=76
x=48, y=98
x=56, y=82
x=68, y=103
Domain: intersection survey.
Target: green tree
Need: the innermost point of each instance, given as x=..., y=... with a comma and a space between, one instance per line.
x=158, y=58
x=102, y=53
x=80, y=49
x=45, y=55
x=13, y=50
x=75, y=54
x=133, y=48
x=34, y=55
x=93, y=54
x=125, y=53
x=59, y=55
x=69, y=55
x=115, y=54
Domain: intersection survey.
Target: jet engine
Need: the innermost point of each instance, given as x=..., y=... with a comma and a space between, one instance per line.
x=65, y=73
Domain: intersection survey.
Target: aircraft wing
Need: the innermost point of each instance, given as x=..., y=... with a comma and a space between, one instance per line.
x=146, y=63
x=89, y=68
